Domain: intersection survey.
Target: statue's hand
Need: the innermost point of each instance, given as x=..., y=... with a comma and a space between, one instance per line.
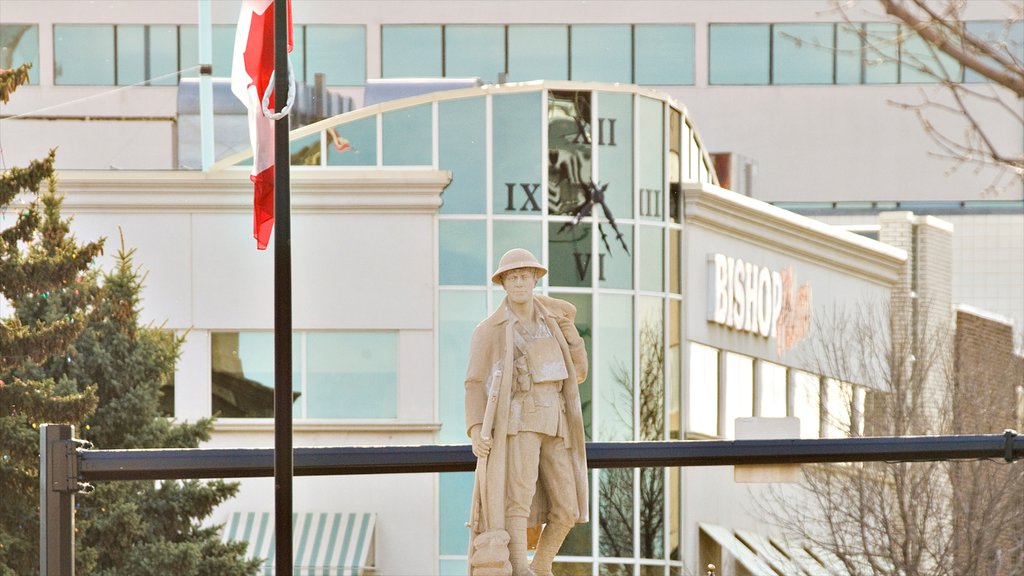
x=481, y=447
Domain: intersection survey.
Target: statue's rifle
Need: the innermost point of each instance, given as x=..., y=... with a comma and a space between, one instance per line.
x=486, y=430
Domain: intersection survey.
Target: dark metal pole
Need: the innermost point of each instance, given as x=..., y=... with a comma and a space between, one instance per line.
x=58, y=482
x=282, y=303
x=102, y=465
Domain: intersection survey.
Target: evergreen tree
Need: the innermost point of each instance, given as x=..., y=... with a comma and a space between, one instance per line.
x=37, y=265
x=74, y=341
x=141, y=528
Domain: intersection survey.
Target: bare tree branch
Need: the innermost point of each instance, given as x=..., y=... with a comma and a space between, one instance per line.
x=1008, y=73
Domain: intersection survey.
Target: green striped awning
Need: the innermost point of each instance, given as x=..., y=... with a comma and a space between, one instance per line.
x=323, y=543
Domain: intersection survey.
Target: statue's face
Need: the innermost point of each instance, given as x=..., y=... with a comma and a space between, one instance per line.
x=519, y=284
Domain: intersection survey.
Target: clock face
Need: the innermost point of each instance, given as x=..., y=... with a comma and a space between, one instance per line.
x=574, y=190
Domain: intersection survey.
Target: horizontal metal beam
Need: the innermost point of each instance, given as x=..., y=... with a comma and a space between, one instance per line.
x=100, y=465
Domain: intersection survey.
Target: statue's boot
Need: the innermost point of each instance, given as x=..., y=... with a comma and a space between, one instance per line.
x=550, y=541
x=516, y=527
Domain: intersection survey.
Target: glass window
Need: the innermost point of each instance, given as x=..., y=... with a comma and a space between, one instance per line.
x=921, y=62
x=703, y=390
x=881, y=53
x=570, y=150
x=410, y=51
x=652, y=369
x=306, y=151
x=458, y=314
x=83, y=54
x=857, y=411
x=570, y=253
x=675, y=277
x=664, y=54
x=454, y=567
x=538, y=53
x=806, y=403
x=652, y=516
x=615, y=509
x=474, y=51
x=802, y=53
x=516, y=155
x=509, y=234
x=339, y=52
x=585, y=325
x=615, y=150
x=652, y=258
x=299, y=37
x=675, y=530
x=355, y=143
x=615, y=368
x=739, y=391
x=738, y=54
x=408, y=136
x=455, y=490
x=351, y=375
x=652, y=159
x=147, y=52
x=601, y=53
x=243, y=373
x=223, y=48
x=849, y=53
x=463, y=256
x=19, y=44
x=771, y=390
x=675, y=169
x=696, y=159
x=461, y=149
x=615, y=255
x=673, y=370
x=838, y=405
x=995, y=32
x=335, y=374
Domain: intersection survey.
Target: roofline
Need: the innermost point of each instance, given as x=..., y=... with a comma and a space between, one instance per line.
x=727, y=212
x=474, y=91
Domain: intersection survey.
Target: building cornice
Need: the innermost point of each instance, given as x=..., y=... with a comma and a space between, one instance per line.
x=320, y=190
x=759, y=223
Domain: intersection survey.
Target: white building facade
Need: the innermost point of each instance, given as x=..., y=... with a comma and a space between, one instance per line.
x=702, y=296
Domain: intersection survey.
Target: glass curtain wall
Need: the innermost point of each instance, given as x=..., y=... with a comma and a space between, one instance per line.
x=590, y=181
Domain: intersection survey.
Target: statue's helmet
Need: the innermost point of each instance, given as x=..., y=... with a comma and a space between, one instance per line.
x=517, y=258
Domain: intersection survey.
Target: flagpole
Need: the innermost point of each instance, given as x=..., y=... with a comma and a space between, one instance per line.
x=283, y=464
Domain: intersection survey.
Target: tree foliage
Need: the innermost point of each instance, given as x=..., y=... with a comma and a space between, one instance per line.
x=73, y=351
x=140, y=528
x=39, y=264
x=11, y=79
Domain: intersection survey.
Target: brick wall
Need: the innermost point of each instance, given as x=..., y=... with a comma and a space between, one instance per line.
x=988, y=497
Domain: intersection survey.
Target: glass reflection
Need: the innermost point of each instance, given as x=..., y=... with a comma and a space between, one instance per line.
x=615, y=513
x=461, y=133
x=615, y=367
x=407, y=136
x=570, y=255
x=569, y=150
x=584, y=324
x=652, y=513
x=517, y=233
x=353, y=144
x=652, y=370
x=517, y=155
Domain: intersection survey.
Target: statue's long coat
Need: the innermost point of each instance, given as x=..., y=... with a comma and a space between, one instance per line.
x=490, y=351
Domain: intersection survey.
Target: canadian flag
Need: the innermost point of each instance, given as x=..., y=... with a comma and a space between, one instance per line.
x=252, y=71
